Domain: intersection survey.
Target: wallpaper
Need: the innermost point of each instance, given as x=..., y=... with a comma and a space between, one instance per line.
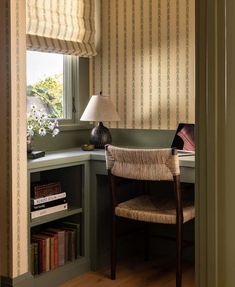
x=13, y=164
x=146, y=61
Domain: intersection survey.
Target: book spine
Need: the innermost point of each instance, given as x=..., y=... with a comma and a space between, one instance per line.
x=49, y=210
x=32, y=258
x=72, y=244
x=48, y=204
x=40, y=257
x=36, y=268
x=56, y=250
x=52, y=250
x=43, y=255
x=76, y=228
x=47, y=254
x=61, y=248
x=66, y=246
x=47, y=198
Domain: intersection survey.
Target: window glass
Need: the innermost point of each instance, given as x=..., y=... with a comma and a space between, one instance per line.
x=45, y=83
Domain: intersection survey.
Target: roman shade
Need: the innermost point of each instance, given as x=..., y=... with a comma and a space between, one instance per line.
x=61, y=26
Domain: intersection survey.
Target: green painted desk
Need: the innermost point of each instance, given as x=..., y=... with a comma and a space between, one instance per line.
x=97, y=194
x=187, y=163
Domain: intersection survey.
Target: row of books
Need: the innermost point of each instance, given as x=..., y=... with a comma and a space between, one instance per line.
x=55, y=246
x=47, y=198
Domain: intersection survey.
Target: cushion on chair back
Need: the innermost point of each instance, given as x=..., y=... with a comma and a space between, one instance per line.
x=142, y=164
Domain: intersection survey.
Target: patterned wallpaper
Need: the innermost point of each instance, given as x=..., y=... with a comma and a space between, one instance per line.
x=146, y=61
x=13, y=160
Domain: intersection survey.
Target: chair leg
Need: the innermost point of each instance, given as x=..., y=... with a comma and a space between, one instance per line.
x=179, y=234
x=113, y=249
x=146, y=241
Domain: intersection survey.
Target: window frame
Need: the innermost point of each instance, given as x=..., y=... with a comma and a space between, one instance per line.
x=76, y=87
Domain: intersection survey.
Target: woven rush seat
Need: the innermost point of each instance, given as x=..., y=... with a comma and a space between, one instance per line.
x=151, y=209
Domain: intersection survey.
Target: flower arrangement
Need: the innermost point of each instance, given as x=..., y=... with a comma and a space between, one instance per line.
x=39, y=123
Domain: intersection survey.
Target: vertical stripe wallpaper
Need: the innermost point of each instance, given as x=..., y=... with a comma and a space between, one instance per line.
x=13, y=161
x=146, y=61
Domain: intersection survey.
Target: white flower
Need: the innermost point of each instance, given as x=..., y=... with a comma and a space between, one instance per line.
x=55, y=132
x=35, y=116
x=33, y=107
x=51, y=125
x=42, y=132
x=41, y=121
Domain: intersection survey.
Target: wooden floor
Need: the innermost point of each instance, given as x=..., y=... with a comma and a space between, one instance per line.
x=136, y=274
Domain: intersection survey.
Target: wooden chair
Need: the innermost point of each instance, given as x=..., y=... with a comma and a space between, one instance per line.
x=148, y=165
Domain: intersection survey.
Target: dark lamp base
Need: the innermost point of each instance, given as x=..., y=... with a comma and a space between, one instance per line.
x=100, y=136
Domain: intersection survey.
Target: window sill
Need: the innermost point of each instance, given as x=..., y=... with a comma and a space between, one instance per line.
x=74, y=127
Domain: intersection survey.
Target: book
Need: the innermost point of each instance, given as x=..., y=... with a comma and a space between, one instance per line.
x=49, y=210
x=61, y=244
x=66, y=246
x=48, y=198
x=54, y=253
x=41, y=190
x=44, y=240
x=35, y=154
x=48, y=204
x=39, y=254
x=34, y=258
x=72, y=244
x=77, y=242
x=71, y=241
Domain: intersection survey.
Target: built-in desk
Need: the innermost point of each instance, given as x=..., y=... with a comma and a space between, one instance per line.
x=97, y=188
x=187, y=163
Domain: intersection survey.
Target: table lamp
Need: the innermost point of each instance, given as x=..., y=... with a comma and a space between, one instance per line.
x=100, y=108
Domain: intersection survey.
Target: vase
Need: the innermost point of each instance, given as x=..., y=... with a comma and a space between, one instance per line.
x=29, y=144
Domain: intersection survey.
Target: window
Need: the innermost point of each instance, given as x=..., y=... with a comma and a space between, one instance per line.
x=50, y=84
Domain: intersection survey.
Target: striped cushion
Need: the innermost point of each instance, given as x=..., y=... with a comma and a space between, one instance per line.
x=151, y=209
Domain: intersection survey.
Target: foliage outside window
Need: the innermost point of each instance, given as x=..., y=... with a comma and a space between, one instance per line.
x=45, y=83
x=49, y=91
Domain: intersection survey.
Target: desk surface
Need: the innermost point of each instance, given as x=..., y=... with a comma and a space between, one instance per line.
x=76, y=154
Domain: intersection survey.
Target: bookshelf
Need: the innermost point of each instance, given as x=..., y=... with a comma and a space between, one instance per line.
x=73, y=178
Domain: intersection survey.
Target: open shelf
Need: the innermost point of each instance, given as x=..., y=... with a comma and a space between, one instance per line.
x=72, y=180
x=54, y=216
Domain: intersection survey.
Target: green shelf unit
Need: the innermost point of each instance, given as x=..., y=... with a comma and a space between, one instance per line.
x=74, y=179
x=54, y=216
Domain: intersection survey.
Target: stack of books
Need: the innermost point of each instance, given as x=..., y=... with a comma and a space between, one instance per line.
x=55, y=246
x=47, y=198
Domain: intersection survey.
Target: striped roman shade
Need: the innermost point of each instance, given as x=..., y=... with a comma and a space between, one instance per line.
x=61, y=26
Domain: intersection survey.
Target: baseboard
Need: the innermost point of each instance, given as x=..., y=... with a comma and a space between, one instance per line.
x=51, y=278
x=18, y=281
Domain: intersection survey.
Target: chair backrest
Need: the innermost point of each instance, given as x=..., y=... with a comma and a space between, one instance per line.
x=142, y=164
